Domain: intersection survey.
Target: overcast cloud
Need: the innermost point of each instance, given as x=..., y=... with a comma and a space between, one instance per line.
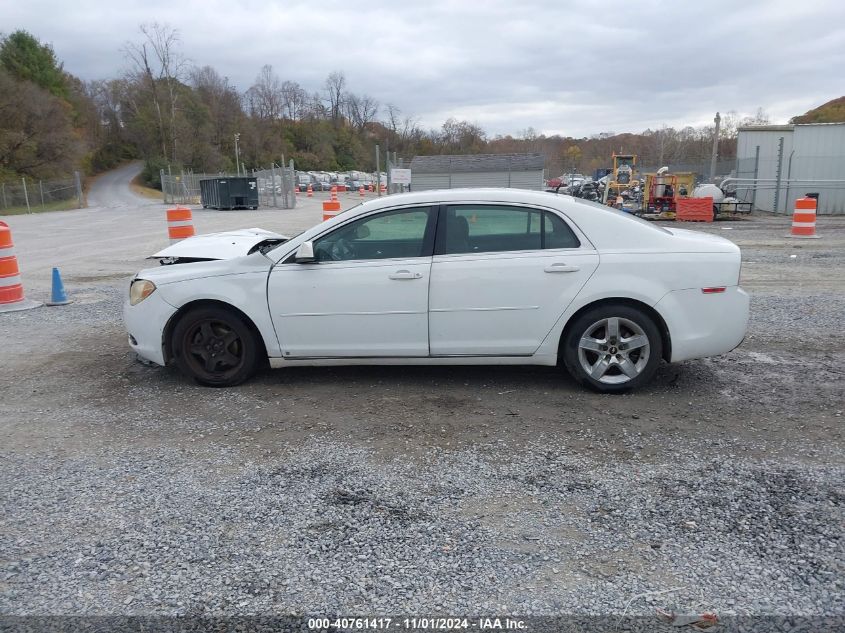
x=574, y=68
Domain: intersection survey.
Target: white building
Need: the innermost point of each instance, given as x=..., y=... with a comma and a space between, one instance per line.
x=789, y=161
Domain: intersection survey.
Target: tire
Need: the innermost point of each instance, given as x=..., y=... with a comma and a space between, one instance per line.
x=597, y=361
x=215, y=347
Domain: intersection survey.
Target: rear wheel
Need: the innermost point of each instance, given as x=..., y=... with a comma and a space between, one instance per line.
x=215, y=347
x=613, y=348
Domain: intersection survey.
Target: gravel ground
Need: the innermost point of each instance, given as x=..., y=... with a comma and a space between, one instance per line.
x=326, y=528
x=499, y=490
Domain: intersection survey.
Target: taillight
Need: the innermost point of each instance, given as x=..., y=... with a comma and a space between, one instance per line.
x=713, y=290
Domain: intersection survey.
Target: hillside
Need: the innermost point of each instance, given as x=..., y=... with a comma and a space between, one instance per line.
x=831, y=112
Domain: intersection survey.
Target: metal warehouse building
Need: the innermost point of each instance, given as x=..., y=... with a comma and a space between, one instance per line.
x=519, y=171
x=778, y=163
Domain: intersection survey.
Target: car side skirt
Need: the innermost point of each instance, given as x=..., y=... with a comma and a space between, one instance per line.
x=537, y=359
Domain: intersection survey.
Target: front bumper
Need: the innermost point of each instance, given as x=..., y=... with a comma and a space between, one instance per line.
x=145, y=323
x=704, y=324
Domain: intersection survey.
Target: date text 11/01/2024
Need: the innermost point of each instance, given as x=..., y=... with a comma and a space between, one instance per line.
x=416, y=624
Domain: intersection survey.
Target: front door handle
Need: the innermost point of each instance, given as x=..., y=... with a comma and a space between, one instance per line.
x=405, y=274
x=560, y=267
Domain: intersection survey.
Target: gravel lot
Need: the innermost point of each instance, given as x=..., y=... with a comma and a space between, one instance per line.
x=505, y=490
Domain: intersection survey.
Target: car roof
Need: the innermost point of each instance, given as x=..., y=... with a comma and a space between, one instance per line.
x=606, y=227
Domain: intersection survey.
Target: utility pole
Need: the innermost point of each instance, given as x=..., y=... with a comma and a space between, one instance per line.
x=717, y=121
x=386, y=169
x=378, y=172
x=662, y=135
x=237, y=154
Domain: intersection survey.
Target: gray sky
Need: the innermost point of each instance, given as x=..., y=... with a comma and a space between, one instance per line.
x=574, y=68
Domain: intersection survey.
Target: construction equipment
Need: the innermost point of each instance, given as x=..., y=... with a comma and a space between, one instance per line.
x=621, y=179
x=663, y=189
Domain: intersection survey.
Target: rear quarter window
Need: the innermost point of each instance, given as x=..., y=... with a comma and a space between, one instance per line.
x=616, y=212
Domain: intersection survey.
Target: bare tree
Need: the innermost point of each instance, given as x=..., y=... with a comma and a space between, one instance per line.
x=760, y=117
x=406, y=129
x=336, y=92
x=223, y=103
x=108, y=96
x=361, y=110
x=393, y=114
x=156, y=62
x=265, y=98
x=294, y=100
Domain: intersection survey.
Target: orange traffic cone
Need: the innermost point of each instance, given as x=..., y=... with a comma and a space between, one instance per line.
x=11, y=288
x=804, y=219
x=180, y=224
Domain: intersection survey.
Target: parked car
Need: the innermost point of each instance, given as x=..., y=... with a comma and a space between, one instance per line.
x=321, y=181
x=563, y=183
x=463, y=276
x=303, y=180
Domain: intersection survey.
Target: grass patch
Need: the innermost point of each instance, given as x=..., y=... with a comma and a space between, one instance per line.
x=58, y=205
x=141, y=189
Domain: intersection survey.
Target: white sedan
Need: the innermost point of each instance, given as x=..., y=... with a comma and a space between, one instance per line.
x=462, y=276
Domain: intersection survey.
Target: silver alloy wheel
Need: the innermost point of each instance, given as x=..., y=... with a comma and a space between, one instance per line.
x=613, y=350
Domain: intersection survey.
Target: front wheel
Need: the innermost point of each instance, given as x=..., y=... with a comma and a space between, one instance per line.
x=215, y=347
x=613, y=348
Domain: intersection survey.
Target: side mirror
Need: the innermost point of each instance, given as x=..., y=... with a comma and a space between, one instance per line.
x=305, y=253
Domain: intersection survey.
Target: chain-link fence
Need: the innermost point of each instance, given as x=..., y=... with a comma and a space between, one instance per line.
x=773, y=183
x=27, y=195
x=275, y=186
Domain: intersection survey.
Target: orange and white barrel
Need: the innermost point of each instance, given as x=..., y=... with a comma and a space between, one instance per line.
x=296, y=190
x=309, y=192
x=11, y=287
x=330, y=209
x=180, y=224
x=371, y=187
x=384, y=188
x=361, y=191
x=334, y=193
x=804, y=219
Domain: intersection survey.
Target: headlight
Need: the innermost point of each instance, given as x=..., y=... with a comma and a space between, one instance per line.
x=140, y=290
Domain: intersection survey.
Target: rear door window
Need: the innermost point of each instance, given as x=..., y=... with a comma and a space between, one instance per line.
x=499, y=228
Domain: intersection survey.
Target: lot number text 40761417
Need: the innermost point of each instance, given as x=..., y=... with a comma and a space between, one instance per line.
x=416, y=624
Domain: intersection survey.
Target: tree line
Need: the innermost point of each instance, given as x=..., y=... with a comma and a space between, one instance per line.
x=167, y=111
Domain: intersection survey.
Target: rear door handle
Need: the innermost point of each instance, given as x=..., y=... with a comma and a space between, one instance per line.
x=560, y=267
x=405, y=274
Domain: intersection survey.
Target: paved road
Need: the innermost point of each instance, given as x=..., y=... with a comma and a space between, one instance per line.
x=111, y=190
x=119, y=229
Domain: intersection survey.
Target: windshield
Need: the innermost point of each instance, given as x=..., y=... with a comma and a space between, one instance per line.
x=293, y=237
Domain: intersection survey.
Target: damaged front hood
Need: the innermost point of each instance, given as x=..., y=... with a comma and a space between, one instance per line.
x=226, y=245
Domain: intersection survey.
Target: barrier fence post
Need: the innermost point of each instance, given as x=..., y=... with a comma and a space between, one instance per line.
x=163, y=186
x=41, y=187
x=26, y=195
x=78, y=182
x=273, y=186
